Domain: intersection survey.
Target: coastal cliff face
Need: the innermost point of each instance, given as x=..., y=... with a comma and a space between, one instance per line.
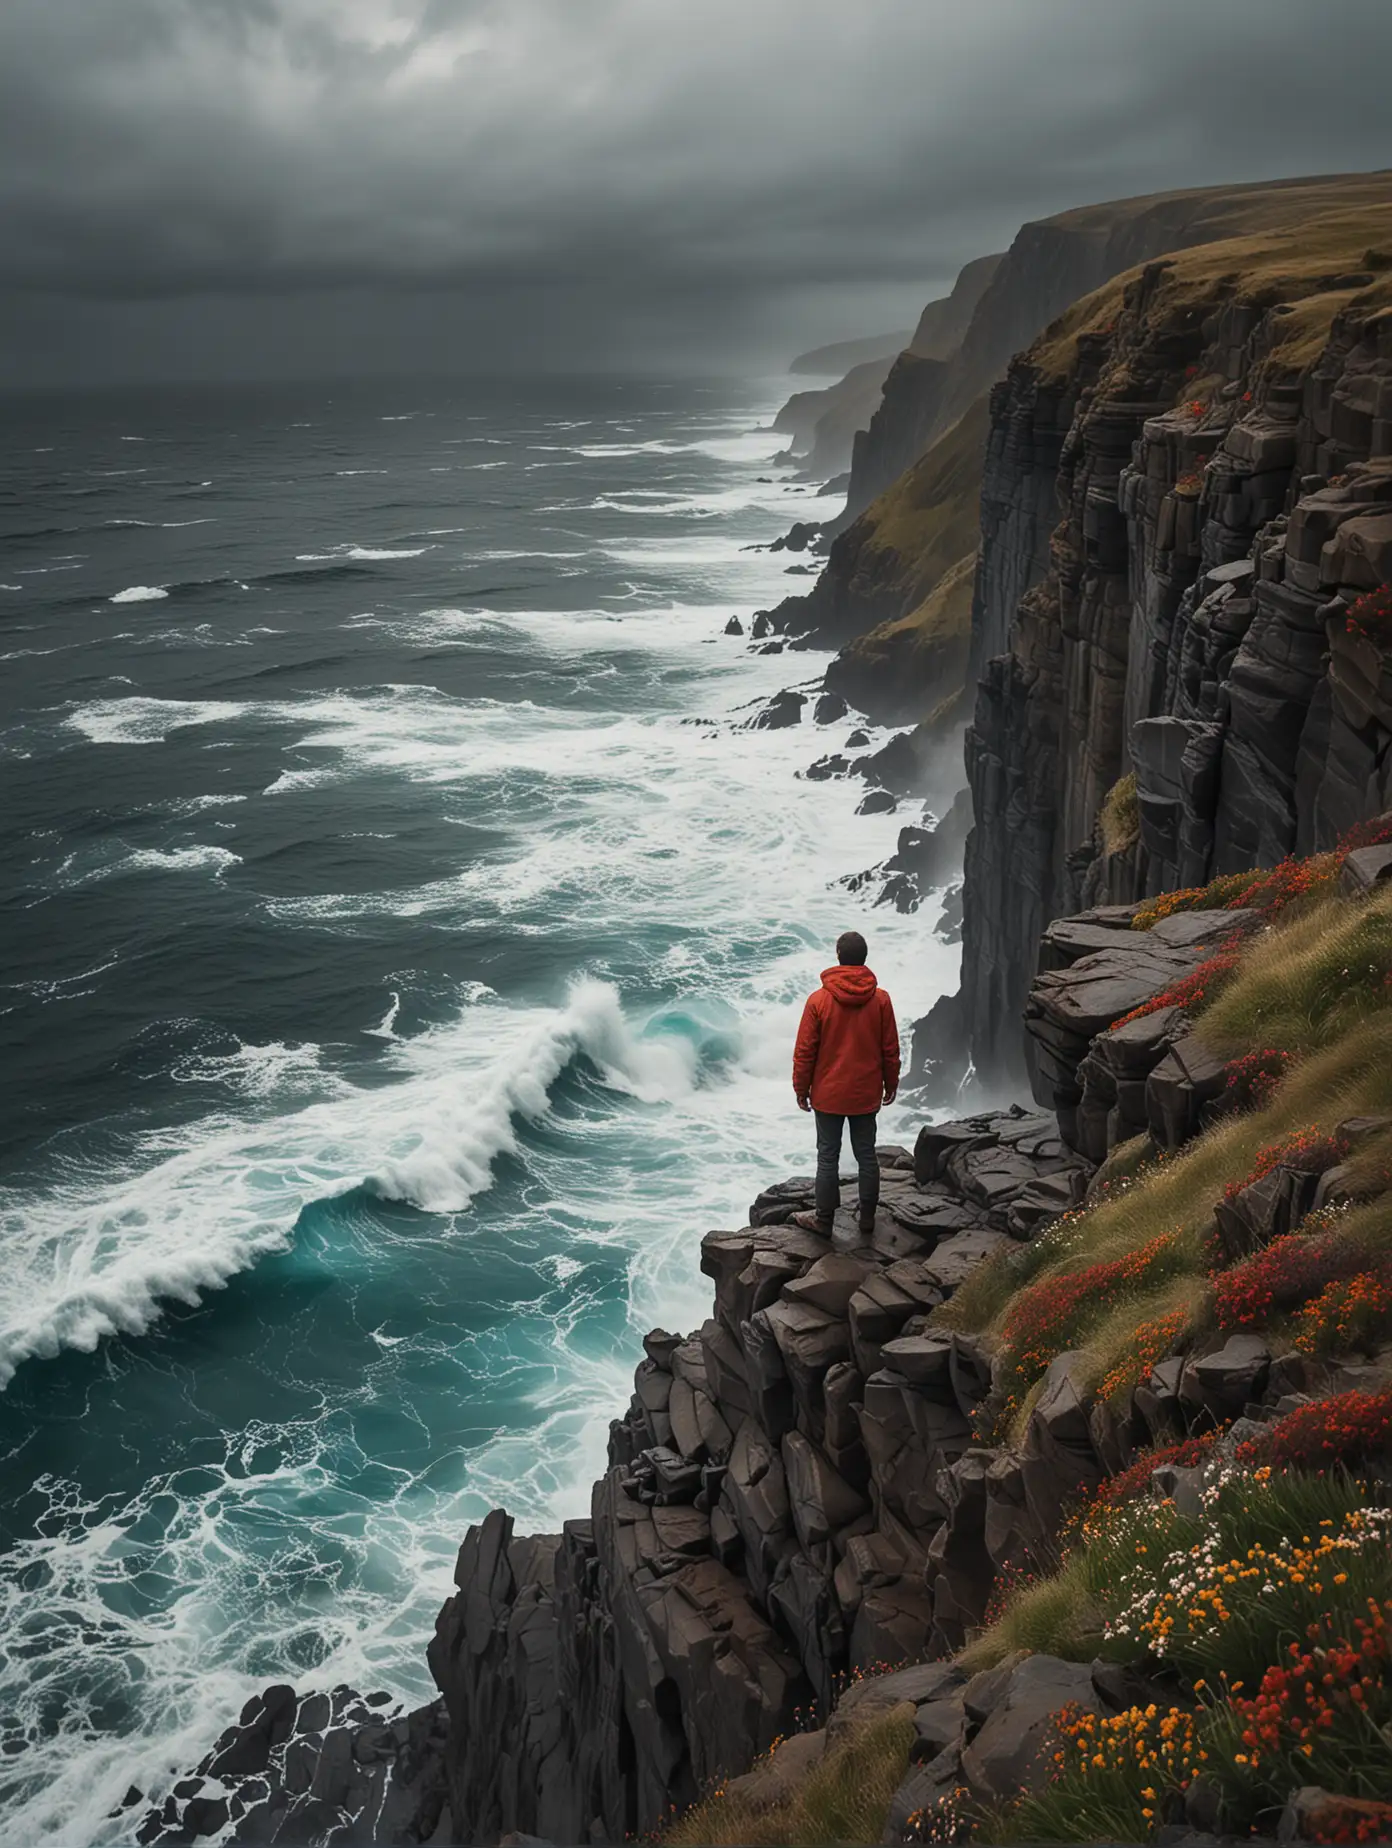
x=828, y=427
x=921, y=379
x=1206, y=426
x=885, y=565
x=855, y=1461
x=793, y=1496
x=822, y=424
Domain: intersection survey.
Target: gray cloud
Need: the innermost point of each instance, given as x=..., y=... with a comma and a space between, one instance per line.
x=498, y=180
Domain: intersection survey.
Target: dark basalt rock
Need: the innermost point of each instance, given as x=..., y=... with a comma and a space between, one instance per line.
x=793, y=1494
x=827, y=767
x=782, y=710
x=1185, y=623
x=799, y=536
x=318, y=1768
x=734, y=626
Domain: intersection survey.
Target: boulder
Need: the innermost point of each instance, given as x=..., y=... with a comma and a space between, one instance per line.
x=1365, y=869
x=1009, y=1753
x=1222, y=1382
x=782, y=710
x=822, y=1501
x=830, y=1283
x=1181, y=1091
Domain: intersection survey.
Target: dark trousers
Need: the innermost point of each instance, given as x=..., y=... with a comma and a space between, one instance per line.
x=828, y=1194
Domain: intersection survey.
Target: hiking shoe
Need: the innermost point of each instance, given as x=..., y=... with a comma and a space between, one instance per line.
x=867, y=1222
x=810, y=1222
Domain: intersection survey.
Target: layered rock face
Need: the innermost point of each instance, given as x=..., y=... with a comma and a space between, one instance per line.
x=1206, y=426
x=830, y=427
x=1050, y=265
x=917, y=481
x=766, y=1520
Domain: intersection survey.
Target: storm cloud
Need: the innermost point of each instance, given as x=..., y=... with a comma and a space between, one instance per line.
x=238, y=185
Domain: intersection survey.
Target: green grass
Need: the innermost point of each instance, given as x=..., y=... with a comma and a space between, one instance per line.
x=1129, y=1559
x=842, y=1800
x=1271, y=1558
x=1304, y=984
x=1120, y=815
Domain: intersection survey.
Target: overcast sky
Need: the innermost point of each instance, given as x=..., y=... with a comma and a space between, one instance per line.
x=202, y=188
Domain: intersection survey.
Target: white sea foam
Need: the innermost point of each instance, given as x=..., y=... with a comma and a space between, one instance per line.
x=94, y=1257
x=386, y=1026
x=195, y=805
x=452, y=1160
x=199, y=859
x=140, y=593
x=138, y=719
x=254, y=1072
x=361, y=552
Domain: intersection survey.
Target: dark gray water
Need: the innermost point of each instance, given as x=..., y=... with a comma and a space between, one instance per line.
x=403, y=940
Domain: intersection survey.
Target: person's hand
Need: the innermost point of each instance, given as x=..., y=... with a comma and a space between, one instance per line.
x=891, y=1091
x=804, y=1103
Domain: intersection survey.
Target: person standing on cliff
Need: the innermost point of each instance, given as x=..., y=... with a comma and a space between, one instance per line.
x=845, y=1064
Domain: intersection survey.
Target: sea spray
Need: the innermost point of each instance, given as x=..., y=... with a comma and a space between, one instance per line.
x=94, y=1260
x=453, y=1159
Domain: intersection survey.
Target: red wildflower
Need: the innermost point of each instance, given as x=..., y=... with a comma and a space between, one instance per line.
x=1192, y=990
x=1252, y=1080
x=1349, y=1312
x=1310, y=1150
x=1267, y=889
x=1280, y=1278
x=1370, y=616
x=1346, y=1428
x=1043, y=1316
x=1149, y=1343
x=1135, y=1478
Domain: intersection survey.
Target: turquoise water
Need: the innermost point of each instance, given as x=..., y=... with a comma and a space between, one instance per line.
x=404, y=939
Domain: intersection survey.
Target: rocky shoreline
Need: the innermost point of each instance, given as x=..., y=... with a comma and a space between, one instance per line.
x=798, y=1497
x=817, y=1499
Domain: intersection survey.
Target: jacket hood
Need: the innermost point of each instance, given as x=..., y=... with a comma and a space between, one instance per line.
x=852, y=984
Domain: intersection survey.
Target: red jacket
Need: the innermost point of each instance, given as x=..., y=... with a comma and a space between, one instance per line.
x=847, y=1052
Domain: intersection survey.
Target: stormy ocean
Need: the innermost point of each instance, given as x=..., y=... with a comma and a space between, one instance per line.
x=404, y=935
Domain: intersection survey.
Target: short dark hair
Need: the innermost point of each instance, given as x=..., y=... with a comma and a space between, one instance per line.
x=851, y=947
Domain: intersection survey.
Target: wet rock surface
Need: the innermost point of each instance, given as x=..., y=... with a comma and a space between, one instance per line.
x=323, y=1768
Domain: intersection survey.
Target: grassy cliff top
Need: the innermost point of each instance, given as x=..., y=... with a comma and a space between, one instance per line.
x=1215, y=211
x=1320, y=251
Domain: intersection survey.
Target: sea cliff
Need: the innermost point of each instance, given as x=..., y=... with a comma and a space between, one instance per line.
x=1209, y=427
x=883, y=1519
